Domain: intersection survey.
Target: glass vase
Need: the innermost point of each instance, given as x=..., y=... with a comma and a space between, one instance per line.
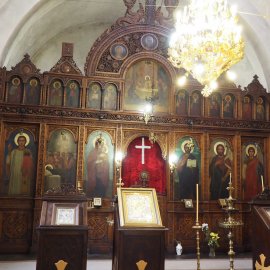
x=212, y=252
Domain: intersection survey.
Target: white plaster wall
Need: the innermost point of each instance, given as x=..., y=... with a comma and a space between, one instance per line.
x=12, y=13
x=82, y=36
x=54, y=18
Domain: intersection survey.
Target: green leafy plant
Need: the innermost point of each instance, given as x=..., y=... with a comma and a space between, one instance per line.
x=210, y=237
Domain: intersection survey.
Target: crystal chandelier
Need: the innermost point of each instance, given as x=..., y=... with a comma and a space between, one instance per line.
x=207, y=41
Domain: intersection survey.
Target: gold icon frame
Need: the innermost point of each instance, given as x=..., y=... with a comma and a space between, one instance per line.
x=138, y=207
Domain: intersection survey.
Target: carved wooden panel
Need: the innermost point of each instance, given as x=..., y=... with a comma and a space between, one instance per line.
x=100, y=232
x=16, y=225
x=66, y=64
x=26, y=69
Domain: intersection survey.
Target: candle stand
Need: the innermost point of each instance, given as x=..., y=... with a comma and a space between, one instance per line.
x=230, y=223
x=198, y=228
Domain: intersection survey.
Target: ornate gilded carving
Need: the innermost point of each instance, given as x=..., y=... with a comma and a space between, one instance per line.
x=130, y=135
x=41, y=159
x=111, y=132
x=12, y=127
x=25, y=68
x=80, y=157
x=133, y=42
x=72, y=116
x=66, y=64
x=255, y=87
x=131, y=17
x=64, y=190
x=147, y=14
x=72, y=129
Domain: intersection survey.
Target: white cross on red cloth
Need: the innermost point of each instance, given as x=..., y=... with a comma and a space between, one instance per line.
x=143, y=147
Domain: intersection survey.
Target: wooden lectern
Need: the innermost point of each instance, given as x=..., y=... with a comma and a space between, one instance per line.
x=139, y=238
x=261, y=229
x=62, y=233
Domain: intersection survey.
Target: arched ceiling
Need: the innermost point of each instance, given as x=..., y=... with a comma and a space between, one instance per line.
x=38, y=27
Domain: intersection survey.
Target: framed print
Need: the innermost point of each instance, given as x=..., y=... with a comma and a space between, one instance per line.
x=188, y=203
x=138, y=207
x=222, y=202
x=65, y=214
x=97, y=202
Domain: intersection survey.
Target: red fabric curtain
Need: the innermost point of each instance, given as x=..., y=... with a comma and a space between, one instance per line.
x=154, y=164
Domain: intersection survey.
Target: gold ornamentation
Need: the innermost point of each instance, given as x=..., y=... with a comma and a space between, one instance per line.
x=141, y=264
x=61, y=265
x=153, y=137
x=207, y=41
x=261, y=266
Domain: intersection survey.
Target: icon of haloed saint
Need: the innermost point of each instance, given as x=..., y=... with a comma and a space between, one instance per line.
x=252, y=172
x=188, y=171
x=98, y=168
x=219, y=170
x=19, y=166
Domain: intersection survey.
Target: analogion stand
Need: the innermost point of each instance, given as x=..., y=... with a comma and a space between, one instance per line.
x=63, y=231
x=139, y=238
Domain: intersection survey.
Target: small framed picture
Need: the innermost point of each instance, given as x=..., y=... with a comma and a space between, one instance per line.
x=222, y=202
x=188, y=203
x=65, y=214
x=97, y=202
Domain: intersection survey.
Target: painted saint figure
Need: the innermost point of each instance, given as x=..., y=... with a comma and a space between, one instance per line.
x=247, y=108
x=214, y=109
x=32, y=93
x=260, y=110
x=188, y=172
x=252, y=172
x=181, y=103
x=72, y=95
x=228, y=107
x=19, y=166
x=98, y=169
x=219, y=170
x=195, y=104
x=15, y=91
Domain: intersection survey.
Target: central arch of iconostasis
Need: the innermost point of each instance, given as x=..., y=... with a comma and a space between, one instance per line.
x=70, y=127
x=138, y=58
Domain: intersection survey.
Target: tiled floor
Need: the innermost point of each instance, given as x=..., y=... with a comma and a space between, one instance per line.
x=177, y=263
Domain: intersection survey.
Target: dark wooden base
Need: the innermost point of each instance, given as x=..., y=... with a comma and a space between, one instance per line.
x=62, y=243
x=133, y=245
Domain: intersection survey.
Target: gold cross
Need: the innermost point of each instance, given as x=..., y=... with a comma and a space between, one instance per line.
x=119, y=183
